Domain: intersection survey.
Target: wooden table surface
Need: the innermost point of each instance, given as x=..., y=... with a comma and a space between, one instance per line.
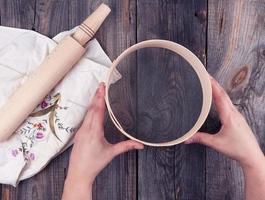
x=229, y=38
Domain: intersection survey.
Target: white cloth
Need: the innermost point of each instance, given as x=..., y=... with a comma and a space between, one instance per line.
x=50, y=129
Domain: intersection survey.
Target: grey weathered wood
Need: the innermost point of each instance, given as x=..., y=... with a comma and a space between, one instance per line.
x=118, y=180
x=236, y=49
x=19, y=14
x=52, y=17
x=166, y=105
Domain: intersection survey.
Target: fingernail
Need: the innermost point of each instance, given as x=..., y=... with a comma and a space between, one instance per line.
x=102, y=84
x=139, y=146
x=189, y=141
x=101, y=87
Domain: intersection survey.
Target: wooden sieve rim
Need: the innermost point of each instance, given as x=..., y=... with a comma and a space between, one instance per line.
x=198, y=68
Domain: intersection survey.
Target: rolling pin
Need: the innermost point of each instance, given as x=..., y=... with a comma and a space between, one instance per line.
x=54, y=67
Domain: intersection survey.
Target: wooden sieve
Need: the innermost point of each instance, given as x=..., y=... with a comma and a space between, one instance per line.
x=196, y=65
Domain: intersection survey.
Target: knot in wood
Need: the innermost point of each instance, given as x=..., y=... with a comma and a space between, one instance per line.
x=240, y=76
x=201, y=15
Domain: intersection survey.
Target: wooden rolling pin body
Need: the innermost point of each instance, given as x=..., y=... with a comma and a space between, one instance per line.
x=38, y=85
x=54, y=67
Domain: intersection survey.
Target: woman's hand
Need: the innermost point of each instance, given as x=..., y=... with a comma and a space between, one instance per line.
x=91, y=151
x=236, y=140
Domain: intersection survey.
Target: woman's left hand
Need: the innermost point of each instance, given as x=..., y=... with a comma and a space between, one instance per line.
x=91, y=151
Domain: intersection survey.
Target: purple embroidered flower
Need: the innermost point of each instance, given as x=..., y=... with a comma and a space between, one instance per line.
x=39, y=135
x=31, y=156
x=14, y=152
x=44, y=104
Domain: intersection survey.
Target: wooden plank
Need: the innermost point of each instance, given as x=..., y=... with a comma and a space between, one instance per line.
x=236, y=49
x=118, y=180
x=169, y=99
x=19, y=14
x=52, y=17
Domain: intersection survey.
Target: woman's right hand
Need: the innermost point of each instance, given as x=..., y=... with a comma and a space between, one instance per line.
x=235, y=138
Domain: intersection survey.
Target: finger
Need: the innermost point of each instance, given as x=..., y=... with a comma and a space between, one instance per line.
x=96, y=111
x=126, y=146
x=222, y=101
x=202, y=138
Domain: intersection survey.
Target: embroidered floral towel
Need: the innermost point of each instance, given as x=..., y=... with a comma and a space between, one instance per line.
x=51, y=127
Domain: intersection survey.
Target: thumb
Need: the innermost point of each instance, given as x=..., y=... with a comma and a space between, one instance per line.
x=96, y=111
x=202, y=138
x=126, y=146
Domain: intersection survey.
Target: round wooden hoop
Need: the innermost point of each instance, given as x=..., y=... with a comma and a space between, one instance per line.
x=197, y=66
